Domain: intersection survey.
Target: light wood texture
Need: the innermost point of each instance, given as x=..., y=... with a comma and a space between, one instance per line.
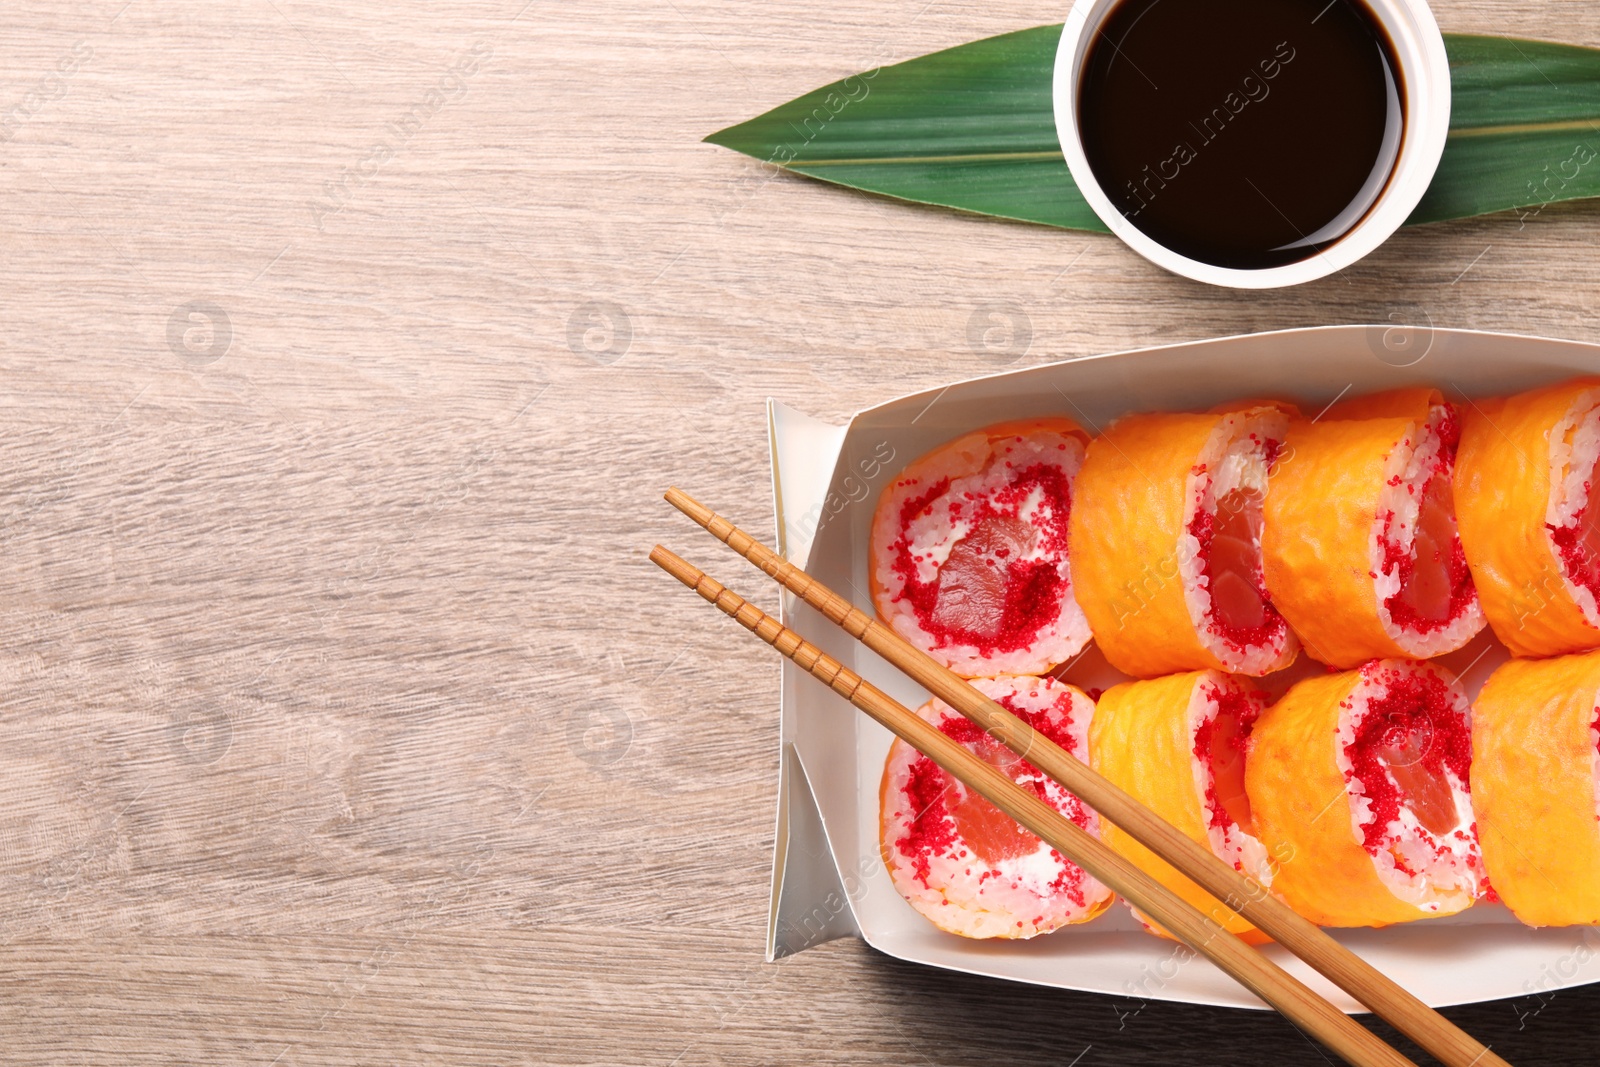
x=303, y=752
x=1199, y=931
x=1236, y=891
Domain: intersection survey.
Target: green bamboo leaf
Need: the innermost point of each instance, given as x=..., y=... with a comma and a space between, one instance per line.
x=1524, y=127
x=973, y=128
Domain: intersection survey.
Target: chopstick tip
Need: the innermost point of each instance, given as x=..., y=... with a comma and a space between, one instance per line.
x=676, y=565
x=688, y=505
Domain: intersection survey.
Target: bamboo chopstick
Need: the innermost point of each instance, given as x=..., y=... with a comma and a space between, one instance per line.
x=1432, y=1031
x=1261, y=976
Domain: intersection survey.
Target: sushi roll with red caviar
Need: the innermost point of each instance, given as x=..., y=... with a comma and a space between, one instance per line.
x=1178, y=745
x=1360, y=787
x=1530, y=516
x=1359, y=542
x=1166, y=542
x=961, y=862
x=970, y=550
x=1536, y=787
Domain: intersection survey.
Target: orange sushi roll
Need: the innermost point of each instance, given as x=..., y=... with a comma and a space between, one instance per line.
x=962, y=863
x=1360, y=545
x=1360, y=787
x=1530, y=525
x=1536, y=787
x=1178, y=745
x=970, y=550
x=1166, y=537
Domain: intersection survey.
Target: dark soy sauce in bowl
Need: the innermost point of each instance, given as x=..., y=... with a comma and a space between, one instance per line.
x=1241, y=133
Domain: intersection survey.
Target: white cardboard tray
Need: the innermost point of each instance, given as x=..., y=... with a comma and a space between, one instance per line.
x=827, y=878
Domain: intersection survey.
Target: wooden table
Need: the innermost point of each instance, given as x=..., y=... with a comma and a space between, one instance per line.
x=346, y=350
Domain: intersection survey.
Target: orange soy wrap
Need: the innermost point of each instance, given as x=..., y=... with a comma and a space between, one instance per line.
x=1533, y=788
x=1140, y=740
x=1502, y=490
x=1302, y=811
x=1249, y=403
x=1127, y=516
x=1317, y=531
x=1412, y=403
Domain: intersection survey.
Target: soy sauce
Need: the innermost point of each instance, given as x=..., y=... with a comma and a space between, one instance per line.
x=1242, y=133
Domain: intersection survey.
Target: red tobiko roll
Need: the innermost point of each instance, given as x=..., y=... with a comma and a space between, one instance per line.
x=970, y=550
x=962, y=863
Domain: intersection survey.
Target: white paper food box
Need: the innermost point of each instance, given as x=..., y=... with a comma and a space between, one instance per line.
x=828, y=880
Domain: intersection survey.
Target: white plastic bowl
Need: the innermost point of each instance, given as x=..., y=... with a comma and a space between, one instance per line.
x=1425, y=76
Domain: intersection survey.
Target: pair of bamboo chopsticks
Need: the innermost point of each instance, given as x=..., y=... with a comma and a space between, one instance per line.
x=1239, y=894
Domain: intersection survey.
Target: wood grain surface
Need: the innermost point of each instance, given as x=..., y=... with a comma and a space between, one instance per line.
x=346, y=351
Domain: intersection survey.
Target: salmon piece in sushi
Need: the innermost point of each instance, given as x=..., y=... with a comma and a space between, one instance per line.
x=962, y=863
x=1178, y=745
x=1360, y=787
x=1536, y=787
x=1166, y=541
x=970, y=550
x=1526, y=499
x=1360, y=545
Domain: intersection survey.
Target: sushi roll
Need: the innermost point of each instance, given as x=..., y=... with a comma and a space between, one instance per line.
x=1145, y=735
x=962, y=863
x=1360, y=787
x=1529, y=520
x=1166, y=537
x=1359, y=544
x=1536, y=787
x=970, y=550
